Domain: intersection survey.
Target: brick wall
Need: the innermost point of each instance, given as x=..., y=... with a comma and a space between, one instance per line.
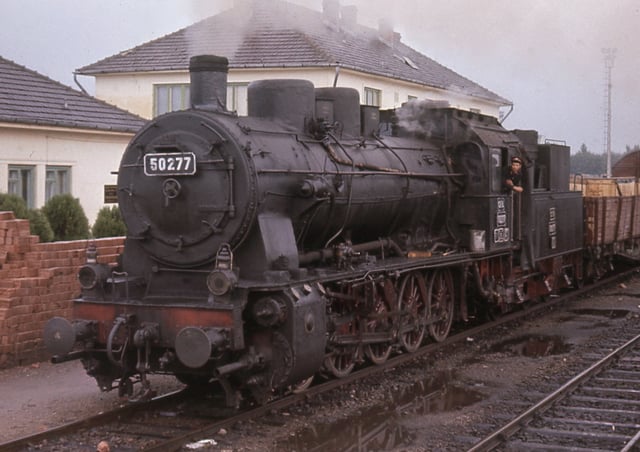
x=37, y=282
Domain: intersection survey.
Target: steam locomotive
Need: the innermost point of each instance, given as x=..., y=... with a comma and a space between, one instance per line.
x=312, y=235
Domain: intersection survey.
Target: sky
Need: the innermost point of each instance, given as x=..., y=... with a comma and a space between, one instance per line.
x=546, y=56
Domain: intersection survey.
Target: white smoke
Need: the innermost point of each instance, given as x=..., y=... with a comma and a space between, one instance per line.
x=414, y=117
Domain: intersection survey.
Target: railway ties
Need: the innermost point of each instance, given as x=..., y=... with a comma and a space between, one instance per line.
x=598, y=410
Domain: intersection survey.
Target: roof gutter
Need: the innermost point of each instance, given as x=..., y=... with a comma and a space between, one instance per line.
x=335, y=78
x=507, y=114
x=8, y=124
x=75, y=79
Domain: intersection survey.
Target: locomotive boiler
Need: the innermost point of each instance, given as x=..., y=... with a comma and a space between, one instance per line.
x=305, y=237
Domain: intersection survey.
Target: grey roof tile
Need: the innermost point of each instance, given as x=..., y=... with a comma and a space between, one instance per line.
x=281, y=34
x=27, y=97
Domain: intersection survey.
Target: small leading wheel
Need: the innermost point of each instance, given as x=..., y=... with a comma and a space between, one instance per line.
x=413, y=311
x=378, y=322
x=441, y=300
x=341, y=361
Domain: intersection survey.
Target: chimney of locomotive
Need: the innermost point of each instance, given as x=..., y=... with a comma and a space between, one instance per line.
x=208, y=75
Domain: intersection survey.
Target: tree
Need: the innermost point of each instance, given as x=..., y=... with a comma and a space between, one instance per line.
x=109, y=223
x=38, y=223
x=67, y=218
x=15, y=204
x=586, y=162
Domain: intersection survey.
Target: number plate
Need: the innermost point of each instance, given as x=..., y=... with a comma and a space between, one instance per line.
x=170, y=164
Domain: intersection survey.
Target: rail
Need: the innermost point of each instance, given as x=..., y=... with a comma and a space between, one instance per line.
x=500, y=436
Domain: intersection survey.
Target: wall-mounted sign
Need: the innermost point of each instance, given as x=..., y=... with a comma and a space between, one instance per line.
x=111, y=194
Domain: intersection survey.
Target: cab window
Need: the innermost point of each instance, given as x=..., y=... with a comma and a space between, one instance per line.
x=496, y=170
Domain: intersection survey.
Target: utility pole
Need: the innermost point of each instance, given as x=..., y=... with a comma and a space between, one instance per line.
x=609, y=57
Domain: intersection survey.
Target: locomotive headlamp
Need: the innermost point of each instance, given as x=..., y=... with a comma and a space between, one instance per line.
x=220, y=282
x=222, y=279
x=91, y=275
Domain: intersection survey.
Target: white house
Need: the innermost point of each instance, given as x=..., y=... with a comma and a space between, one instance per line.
x=56, y=140
x=278, y=39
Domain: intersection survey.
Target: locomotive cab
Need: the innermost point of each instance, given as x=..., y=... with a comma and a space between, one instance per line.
x=484, y=213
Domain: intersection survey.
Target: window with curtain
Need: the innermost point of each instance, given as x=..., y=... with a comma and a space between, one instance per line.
x=57, y=181
x=21, y=182
x=372, y=96
x=237, y=98
x=168, y=98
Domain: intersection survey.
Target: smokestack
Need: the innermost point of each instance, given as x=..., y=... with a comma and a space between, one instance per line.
x=208, y=75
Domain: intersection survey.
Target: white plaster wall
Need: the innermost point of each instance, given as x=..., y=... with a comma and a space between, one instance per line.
x=92, y=157
x=134, y=92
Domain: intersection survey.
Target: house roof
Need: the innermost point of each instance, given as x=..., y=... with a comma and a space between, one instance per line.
x=280, y=34
x=27, y=97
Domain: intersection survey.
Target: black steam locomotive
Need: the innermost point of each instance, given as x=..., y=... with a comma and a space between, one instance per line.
x=311, y=235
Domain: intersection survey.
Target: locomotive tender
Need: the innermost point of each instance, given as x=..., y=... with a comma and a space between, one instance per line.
x=312, y=234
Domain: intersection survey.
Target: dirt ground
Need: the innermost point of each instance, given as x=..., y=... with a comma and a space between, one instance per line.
x=43, y=395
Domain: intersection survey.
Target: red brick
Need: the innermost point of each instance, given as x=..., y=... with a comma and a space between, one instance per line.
x=17, y=311
x=5, y=302
x=38, y=281
x=28, y=336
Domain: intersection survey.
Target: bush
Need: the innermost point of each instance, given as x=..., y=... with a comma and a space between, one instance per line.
x=67, y=218
x=109, y=223
x=38, y=223
x=15, y=204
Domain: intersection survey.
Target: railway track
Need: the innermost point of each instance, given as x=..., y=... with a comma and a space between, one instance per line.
x=598, y=410
x=170, y=422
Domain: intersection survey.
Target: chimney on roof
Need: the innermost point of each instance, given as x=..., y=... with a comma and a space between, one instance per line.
x=331, y=11
x=386, y=33
x=349, y=16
